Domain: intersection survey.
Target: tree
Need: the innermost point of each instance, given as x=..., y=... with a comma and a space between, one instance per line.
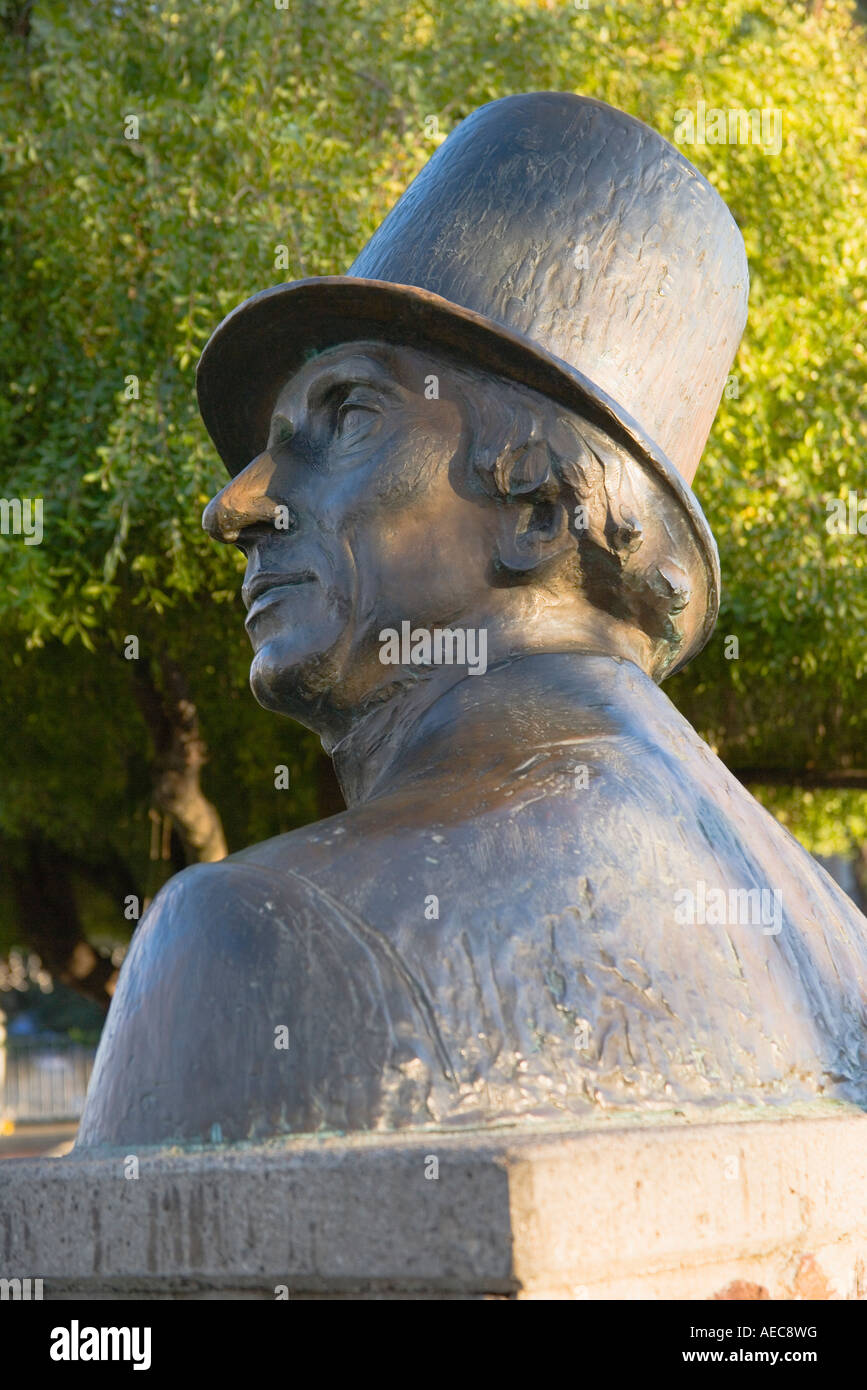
x=162, y=163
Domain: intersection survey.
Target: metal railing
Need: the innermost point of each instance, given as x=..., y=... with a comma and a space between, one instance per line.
x=44, y=1080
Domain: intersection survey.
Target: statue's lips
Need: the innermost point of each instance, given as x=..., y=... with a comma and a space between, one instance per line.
x=265, y=588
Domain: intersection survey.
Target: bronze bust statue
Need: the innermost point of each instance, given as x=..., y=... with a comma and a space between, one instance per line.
x=461, y=477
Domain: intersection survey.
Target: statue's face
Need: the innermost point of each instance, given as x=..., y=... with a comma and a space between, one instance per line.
x=356, y=518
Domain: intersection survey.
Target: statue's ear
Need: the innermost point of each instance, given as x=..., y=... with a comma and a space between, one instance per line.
x=533, y=523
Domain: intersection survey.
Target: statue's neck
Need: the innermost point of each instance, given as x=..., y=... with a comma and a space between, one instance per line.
x=433, y=726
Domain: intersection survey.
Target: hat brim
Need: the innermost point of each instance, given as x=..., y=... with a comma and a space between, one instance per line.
x=253, y=352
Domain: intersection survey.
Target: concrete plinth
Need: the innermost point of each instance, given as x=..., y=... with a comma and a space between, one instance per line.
x=761, y=1208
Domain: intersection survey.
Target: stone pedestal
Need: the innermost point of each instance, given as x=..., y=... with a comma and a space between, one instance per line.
x=741, y=1208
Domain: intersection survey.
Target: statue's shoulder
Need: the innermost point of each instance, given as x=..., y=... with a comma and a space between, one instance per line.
x=265, y=877
x=257, y=1000
x=195, y=906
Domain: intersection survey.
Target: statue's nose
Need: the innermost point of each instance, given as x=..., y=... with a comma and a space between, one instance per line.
x=243, y=502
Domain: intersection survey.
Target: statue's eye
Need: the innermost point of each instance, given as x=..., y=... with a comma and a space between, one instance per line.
x=354, y=417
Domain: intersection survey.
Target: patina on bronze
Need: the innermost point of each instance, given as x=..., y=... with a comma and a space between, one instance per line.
x=547, y=896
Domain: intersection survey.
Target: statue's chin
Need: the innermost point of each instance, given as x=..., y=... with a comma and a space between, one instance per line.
x=293, y=684
x=267, y=694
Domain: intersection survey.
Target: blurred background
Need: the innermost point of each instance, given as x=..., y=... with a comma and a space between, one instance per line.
x=160, y=164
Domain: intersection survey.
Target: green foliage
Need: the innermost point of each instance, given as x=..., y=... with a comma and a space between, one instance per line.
x=830, y=821
x=262, y=128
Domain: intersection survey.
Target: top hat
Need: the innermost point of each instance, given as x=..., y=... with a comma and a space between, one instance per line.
x=551, y=239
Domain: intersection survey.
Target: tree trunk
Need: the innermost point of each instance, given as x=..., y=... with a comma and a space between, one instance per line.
x=180, y=753
x=42, y=883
